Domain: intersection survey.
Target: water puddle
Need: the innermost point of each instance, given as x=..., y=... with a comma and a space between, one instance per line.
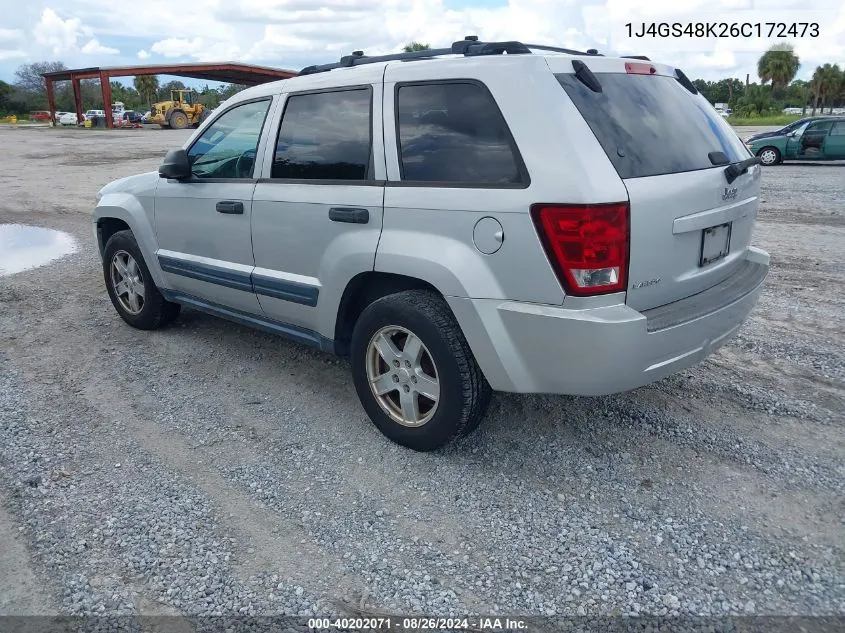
x=23, y=247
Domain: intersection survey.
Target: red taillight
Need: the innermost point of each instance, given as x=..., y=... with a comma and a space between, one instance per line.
x=586, y=244
x=634, y=68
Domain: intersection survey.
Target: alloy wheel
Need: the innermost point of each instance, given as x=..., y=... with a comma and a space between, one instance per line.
x=127, y=282
x=402, y=376
x=768, y=157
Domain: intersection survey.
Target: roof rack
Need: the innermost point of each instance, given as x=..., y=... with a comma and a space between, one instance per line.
x=468, y=47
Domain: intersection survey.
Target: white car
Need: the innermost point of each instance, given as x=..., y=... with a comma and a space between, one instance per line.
x=68, y=118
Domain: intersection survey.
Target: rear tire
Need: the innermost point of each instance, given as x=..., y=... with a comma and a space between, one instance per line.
x=443, y=367
x=130, y=285
x=769, y=156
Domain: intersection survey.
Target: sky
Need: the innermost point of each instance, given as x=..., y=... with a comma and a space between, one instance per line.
x=295, y=33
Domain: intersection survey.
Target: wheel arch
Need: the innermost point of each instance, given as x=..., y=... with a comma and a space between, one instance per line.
x=776, y=149
x=106, y=227
x=110, y=218
x=361, y=291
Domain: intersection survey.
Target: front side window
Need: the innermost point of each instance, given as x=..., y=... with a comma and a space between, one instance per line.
x=227, y=148
x=454, y=132
x=325, y=136
x=820, y=127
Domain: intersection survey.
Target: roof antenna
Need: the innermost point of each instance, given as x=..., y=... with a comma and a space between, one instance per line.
x=471, y=38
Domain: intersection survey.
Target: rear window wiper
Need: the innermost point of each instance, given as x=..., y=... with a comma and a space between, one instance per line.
x=735, y=170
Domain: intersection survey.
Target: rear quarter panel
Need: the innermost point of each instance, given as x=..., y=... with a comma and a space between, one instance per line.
x=428, y=229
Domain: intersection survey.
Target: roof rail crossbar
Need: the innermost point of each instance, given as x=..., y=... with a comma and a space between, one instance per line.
x=643, y=57
x=569, y=51
x=469, y=47
x=495, y=48
x=357, y=58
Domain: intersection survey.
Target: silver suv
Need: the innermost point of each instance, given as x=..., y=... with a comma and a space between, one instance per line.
x=489, y=216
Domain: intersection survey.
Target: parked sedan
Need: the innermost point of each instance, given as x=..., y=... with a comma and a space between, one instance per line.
x=786, y=129
x=132, y=116
x=814, y=140
x=68, y=118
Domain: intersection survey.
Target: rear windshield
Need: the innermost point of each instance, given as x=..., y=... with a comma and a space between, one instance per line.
x=650, y=125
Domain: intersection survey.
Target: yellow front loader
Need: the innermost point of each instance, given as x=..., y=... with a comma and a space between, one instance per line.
x=181, y=111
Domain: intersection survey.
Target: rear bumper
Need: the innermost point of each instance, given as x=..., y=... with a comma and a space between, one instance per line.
x=531, y=348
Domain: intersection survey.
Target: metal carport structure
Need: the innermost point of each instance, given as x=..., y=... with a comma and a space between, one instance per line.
x=226, y=72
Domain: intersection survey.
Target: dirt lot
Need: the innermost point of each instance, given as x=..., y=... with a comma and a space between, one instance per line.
x=208, y=468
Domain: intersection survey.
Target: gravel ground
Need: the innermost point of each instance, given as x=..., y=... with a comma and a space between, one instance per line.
x=211, y=469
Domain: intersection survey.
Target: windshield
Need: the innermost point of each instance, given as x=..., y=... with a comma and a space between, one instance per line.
x=650, y=125
x=793, y=126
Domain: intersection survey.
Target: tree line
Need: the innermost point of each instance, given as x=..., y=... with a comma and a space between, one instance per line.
x=778, y=88
x=776, y=69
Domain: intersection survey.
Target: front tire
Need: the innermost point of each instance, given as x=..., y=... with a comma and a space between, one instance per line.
x=179, y=121
x=131, y=288
x=769, y=156
x=414, y=372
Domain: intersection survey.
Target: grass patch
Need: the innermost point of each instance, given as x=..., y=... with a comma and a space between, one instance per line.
x=778, y=119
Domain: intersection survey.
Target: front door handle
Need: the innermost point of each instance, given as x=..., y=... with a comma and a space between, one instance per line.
x=230, y=206
x=349, y=214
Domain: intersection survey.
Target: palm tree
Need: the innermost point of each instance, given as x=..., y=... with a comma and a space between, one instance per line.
x=756, y=100
x=816, y=88
x=416, y=46
x=832, y=84
x=826, y=85
x=840, y=92
x=779, y=65
x=799, y=92
x=805, y=90
x=147, y=87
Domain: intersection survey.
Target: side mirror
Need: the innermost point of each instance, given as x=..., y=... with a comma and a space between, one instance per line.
x=175, y=165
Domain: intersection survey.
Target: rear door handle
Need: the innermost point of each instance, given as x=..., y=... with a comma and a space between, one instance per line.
x=230, y=206
x=349, y=214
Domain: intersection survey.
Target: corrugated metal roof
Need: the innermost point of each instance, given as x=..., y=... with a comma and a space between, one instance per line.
x=227, y=72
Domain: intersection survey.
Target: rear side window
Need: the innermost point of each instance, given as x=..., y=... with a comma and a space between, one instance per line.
x=838, y=129
x=650, y=124
x=453, y=132
x=325, y=136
